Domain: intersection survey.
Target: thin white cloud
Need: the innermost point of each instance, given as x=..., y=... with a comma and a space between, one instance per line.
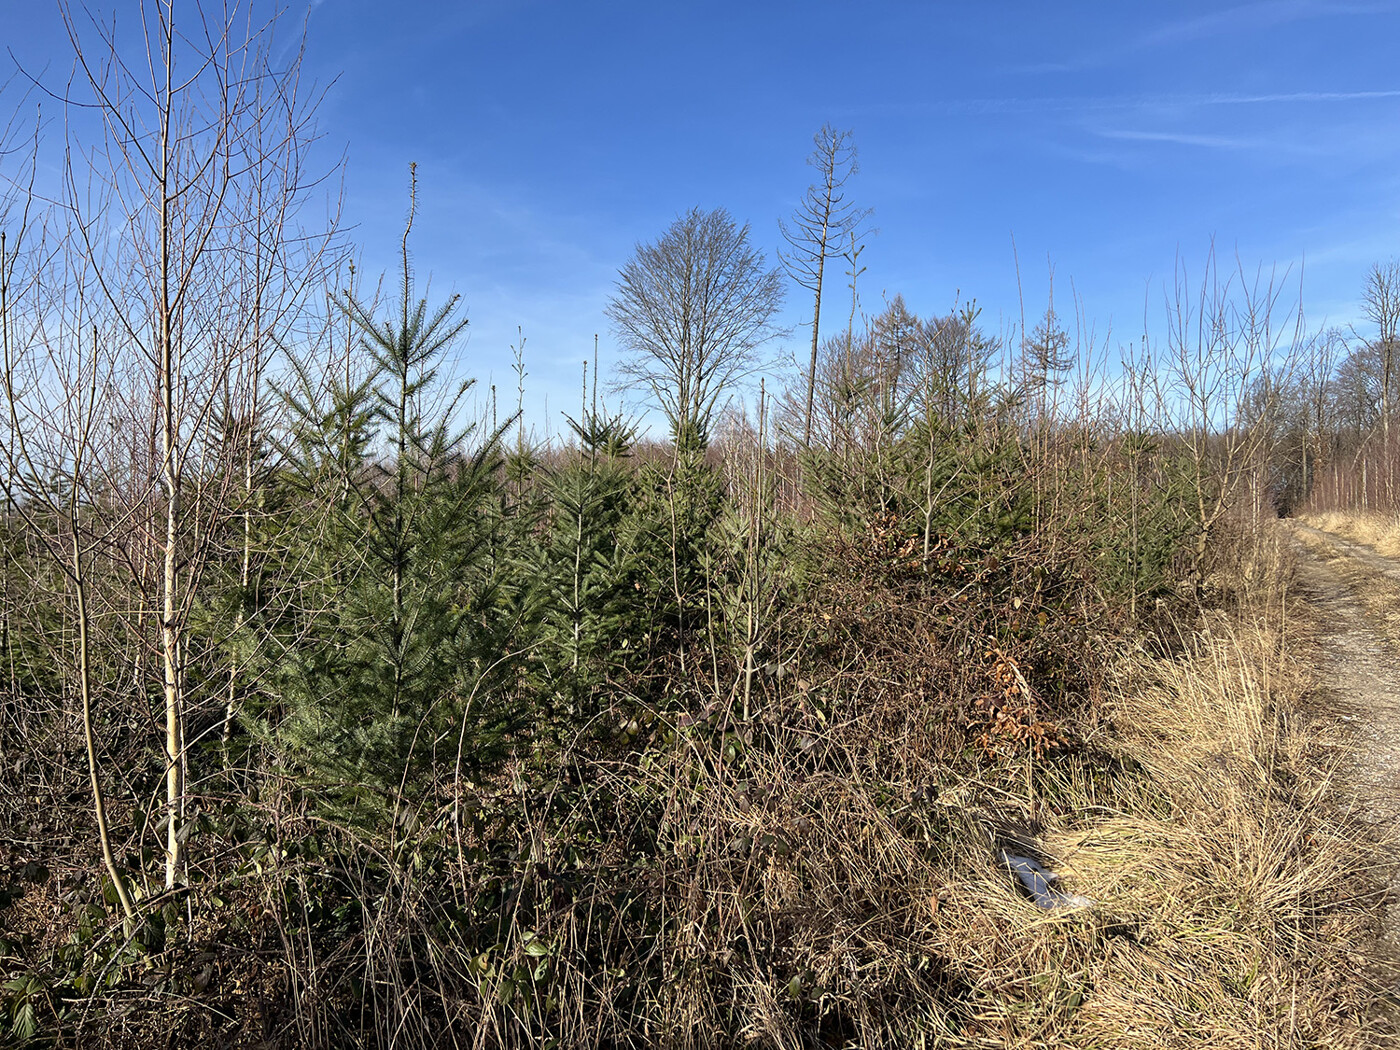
x=1084, y=103
x=1352, y=144
x=1253, y=17
x=1237, y=20
x=1297, y=96
x=1243, y=16
x=1177, y=138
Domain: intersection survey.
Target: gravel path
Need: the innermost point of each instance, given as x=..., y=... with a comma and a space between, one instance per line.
x=1356, y=593
x=1361, y=664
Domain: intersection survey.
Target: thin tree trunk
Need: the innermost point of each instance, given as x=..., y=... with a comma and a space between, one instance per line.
x=99, y=804
x=171, y=477
x=170, y=652
x=250, y=436
x=244, y=580
x=816, y=321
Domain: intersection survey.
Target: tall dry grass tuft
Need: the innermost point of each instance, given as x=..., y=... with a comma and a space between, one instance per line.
x=1378, y=530
x=1234, y=901
x=1236, y=868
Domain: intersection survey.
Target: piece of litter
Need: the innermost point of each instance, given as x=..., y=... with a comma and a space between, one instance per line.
x=1039, y=883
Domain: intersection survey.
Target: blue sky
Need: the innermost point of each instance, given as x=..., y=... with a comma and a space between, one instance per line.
x=1105, y=140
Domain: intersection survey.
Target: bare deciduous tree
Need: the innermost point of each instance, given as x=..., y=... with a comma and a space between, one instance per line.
x=50, y=439
x=173, y=235
x=822, y=225
x=1223, y=333
x=693, y=309
x=1380, y=304
x=1318, y=367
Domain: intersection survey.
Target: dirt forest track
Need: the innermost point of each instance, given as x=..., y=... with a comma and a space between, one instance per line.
x=1354, y=593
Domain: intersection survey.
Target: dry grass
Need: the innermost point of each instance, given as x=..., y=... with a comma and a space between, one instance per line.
x=1378, y=531
x=1373, y=581
x=1252, y=894
x=1233, y=902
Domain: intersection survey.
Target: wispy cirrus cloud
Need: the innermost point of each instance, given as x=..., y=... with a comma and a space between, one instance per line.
x=1241, y=19
x=1252, y=18
x=1339, y=143
x=1157, y=101
x=1181, y=138
x=1296, y=96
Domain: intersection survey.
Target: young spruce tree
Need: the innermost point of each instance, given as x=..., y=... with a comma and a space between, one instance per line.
x=393, y=681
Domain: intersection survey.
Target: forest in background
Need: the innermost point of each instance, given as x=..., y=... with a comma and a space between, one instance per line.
x=331, y=716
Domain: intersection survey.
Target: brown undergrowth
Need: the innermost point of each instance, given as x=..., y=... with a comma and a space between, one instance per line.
x=827, y=872
x=812, y=888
